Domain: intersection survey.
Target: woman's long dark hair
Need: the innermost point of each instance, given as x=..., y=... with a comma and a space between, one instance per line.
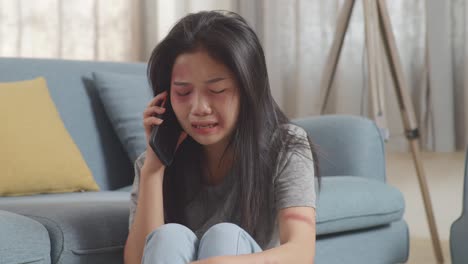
x=258, y=136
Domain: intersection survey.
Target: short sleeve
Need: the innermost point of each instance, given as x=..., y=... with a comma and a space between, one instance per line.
x=294, y=182
x=136, y=184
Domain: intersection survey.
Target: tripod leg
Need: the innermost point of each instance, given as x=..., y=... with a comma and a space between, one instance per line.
x=376, y=83
x=407, y=113
x=334, y=55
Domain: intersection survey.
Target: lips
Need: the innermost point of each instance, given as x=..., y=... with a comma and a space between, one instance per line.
x=205, y=127
x=204, y=124
x=208, y=126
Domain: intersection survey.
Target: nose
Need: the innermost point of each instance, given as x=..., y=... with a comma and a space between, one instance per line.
x=201, y=106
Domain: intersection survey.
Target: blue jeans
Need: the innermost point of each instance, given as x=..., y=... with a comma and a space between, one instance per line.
x=177, y=244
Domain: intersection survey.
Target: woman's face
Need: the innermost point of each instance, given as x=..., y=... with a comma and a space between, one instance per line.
x=205, y=98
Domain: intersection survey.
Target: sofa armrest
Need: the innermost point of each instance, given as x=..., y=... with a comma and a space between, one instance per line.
x=459, y=228
x=346, y=145
x=22, y=240
x=83, y=227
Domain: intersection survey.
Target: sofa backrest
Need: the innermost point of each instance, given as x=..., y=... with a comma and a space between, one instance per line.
x=72, y=90
x=465, y=184
x=347, y=145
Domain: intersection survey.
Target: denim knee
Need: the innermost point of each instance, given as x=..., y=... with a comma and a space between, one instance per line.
x=223, y=230
x=170, y=243
x=170, y=232
x=226, y=239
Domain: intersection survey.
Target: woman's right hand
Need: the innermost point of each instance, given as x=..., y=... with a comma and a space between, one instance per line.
x=152, y=163
x=156, y=106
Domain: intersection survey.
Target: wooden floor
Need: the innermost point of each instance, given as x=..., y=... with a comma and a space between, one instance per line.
x=444, y=173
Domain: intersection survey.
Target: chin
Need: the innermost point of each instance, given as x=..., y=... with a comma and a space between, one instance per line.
x=205, y=141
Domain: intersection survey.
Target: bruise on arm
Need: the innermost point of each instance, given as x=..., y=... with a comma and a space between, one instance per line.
x=299, y=217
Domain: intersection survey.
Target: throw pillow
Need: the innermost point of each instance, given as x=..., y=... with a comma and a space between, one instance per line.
x=124, y=97
x=37, y=154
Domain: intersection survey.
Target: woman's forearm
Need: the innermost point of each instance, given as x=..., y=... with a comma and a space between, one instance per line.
x=149, y=215
x=286, y=253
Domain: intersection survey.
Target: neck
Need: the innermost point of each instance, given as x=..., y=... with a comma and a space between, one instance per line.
x=216, y=165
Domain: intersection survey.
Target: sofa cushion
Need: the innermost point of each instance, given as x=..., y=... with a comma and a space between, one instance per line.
x=23, y=240
x=377, y=245
x=83, y=227
x=125, y=189
x=125, y=97
x=71, y=87
x=37, y=155
x=349, y=203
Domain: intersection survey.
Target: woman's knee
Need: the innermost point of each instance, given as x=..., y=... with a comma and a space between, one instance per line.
x=171, y=237
x=170, y=243
x=171, y=232
x=223, y=231
x=226, y=239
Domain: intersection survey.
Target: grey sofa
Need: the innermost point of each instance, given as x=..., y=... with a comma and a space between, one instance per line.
x=459, y=229
x=359, y=216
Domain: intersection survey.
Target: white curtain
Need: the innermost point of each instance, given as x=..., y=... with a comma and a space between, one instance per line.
x=459, y=37
x=70, y=29
x=296, y=36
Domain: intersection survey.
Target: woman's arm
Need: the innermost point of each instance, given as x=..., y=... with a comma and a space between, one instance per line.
x=149, y=214
x=297, y=238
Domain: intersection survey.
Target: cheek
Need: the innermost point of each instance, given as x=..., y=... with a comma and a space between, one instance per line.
x=231, y=108
x=179, y=106
x=179, y=100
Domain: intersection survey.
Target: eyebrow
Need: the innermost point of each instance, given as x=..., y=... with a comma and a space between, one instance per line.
x=214, y=80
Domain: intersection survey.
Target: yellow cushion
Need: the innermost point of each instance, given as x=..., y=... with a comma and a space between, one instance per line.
x=37, y=155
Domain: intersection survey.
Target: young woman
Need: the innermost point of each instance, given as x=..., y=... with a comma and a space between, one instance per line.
x=241, y=188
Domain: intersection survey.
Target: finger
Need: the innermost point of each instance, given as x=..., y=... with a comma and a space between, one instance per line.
x=159, y=96
x=150, y=111
x=157, y=99
x=151, y=121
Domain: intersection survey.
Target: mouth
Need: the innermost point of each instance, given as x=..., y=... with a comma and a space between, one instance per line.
x=205, y=127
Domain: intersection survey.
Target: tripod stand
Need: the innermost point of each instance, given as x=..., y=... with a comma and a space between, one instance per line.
x=377, y=27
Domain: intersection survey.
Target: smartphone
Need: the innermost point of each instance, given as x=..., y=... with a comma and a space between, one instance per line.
x=164, y=137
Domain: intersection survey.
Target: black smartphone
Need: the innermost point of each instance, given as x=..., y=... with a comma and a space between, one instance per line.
x=163, y=139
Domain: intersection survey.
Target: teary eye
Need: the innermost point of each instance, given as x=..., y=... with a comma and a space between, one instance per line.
x=183, y=94
x=218, y=92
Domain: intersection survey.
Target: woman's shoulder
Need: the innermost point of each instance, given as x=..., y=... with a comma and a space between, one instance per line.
x=295, y=153
x=295, y=141
x=294, y=130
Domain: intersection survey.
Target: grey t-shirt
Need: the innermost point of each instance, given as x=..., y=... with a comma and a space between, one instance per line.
x=294, y=185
